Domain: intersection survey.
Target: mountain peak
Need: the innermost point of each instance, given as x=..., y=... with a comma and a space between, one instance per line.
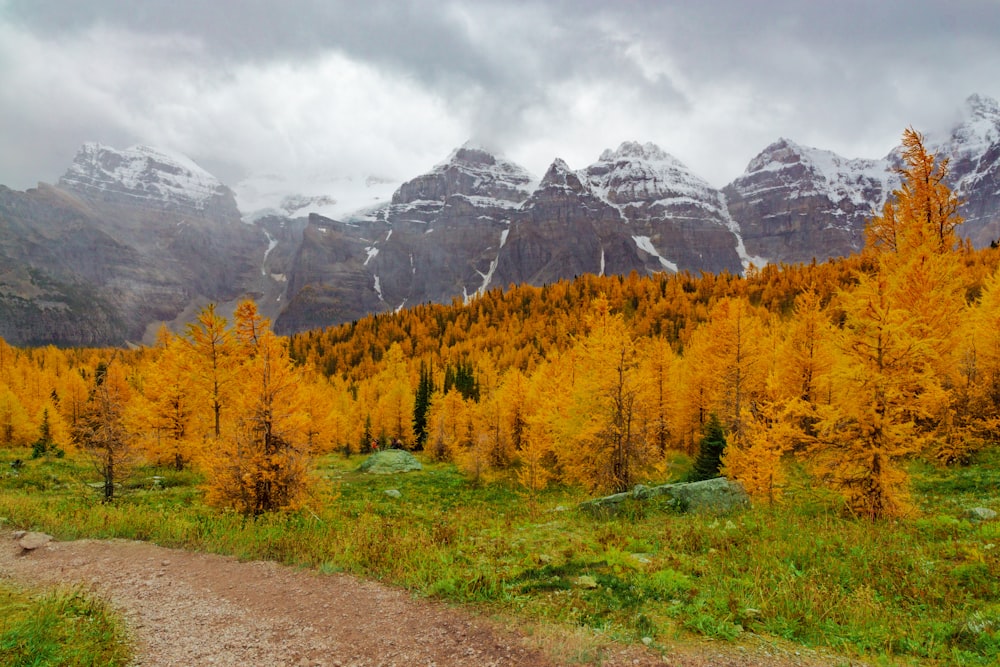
x=648, y=151
x=469, y=170
x=635, y=173
x=982, y=106
x=142, y=173
x=559, y=175
x=978, y=129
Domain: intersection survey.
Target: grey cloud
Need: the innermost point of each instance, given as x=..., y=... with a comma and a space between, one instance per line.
x=846, y=76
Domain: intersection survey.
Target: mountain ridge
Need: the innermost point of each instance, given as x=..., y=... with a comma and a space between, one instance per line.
x=150, y=234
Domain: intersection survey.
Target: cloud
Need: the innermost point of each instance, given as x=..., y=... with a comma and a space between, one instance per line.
x=325, y=86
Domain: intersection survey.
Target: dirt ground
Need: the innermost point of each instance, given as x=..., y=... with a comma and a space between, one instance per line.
x=188, y=609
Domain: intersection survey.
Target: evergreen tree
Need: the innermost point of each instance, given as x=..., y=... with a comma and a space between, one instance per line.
x=710, y=449
x=422, y=403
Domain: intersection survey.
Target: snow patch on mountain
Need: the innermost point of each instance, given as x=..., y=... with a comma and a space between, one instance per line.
x=746, y=259
x=645, y=244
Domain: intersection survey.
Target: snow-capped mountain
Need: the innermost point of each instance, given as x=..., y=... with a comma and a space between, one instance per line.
x=644, y=174
x=794, y=203
x=145, y=176
x=478, y=221
x=973, y=150
x=673, y=210
x=130, y=238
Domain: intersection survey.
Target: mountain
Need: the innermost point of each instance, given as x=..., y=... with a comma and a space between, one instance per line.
x=143, y=235
x=795, y=203
x=128, y=239
x=478, y=221
x=973, y=149
x=435, y=240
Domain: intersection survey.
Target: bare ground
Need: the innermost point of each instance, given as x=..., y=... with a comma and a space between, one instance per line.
x=187, y=608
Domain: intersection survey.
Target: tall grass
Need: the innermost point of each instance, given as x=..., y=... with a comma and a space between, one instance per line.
x=922, y=590
x=65, y=628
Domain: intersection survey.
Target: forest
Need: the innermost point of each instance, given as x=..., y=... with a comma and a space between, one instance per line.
x=856, y=400
x=852, y=366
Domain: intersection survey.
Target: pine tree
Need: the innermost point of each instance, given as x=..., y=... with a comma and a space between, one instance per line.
x=710, y=450
x=422, y=403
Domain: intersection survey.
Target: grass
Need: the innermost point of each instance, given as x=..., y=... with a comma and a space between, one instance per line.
x=65, y=628
x=924, y=590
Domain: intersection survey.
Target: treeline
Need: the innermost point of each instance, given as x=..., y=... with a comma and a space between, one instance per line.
x=853, y=365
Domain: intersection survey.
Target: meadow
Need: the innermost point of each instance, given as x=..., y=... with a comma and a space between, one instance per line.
x=921, y=589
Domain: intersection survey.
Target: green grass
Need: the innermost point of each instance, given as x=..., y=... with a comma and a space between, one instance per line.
x=65, y=628
x=923, y=590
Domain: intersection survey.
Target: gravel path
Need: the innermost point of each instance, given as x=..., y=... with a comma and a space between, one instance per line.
x=189, y=608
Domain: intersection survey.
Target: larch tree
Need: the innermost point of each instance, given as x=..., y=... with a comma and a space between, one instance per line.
x=604, y=448
x=899, y=328
x=169, y=405
x=263, y=465
x=657, y=361
x=213, y=357
x=16, y=428
x=102, y=431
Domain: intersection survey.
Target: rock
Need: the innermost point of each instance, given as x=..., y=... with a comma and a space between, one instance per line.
x=390, y=462
x=32, y=541
x=586, y=581
x=393, y=493
x=981, y=514
x=711, y=496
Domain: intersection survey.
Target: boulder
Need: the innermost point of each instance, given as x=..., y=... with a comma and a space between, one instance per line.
x=32, y=541
x=981, y=514
x=711, y=496
x=390, y=462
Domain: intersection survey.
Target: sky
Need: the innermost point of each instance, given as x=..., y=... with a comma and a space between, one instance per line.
x=328, y=89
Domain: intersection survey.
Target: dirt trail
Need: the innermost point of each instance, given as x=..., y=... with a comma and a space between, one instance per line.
x=199, y=609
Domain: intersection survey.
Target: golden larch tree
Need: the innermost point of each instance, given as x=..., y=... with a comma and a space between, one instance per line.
x=263, y=465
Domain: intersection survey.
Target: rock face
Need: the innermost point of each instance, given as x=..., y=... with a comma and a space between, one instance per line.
x=794, y=203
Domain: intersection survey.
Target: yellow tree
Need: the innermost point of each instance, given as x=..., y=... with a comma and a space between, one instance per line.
x=213, y=361
x=102, y=431
x=887, y=386
x=444, y=424
x=169, y=406
x=263, y=465
x=977, y=393
x=656, y=366
x=756, y=461
x=396, y=399
x=729, y=362
x=603, y=447
x=897, y=342
x=16, y=428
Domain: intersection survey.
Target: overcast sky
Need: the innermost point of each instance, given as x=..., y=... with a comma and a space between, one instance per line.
x=324, y=88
